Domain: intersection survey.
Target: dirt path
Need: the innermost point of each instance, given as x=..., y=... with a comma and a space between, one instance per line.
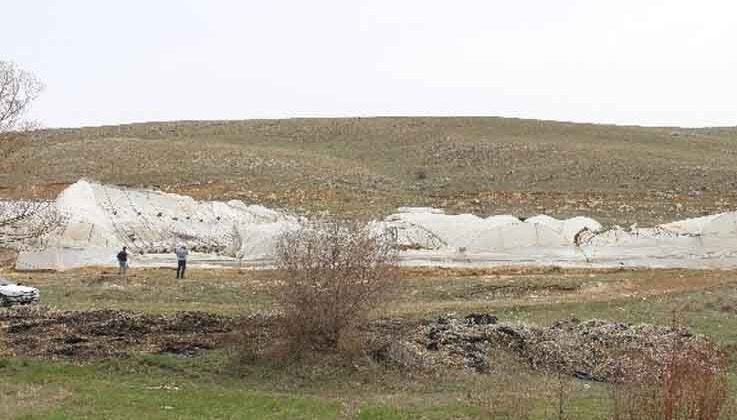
x=588, y=286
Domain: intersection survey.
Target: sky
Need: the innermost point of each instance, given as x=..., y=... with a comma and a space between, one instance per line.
x=644, y=62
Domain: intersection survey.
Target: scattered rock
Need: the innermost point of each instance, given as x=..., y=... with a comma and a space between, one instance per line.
x=481, y=319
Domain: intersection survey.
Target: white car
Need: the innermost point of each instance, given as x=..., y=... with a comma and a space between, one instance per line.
x=13, y=294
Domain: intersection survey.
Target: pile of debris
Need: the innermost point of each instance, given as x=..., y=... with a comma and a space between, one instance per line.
x=39, y=331
x=14, y=294
x=592, y=350
x=595, y=349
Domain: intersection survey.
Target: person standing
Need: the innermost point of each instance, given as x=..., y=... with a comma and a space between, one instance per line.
x=181, y=261
x=123, y=263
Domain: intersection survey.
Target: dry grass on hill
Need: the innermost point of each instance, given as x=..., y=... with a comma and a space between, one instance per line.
x=481, y=165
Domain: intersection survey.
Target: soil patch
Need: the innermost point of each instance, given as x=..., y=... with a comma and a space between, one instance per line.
x=39, y=331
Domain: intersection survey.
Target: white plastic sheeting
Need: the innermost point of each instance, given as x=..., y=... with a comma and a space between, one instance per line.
x=434, y=230
x=437, y=239
x=423, y=229
x=566, y=228
x=102, y=219
x=722, y=225
x=258, y=241
x=14, y=294
x=515, y=236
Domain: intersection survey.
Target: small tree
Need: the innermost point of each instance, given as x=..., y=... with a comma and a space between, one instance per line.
x=24, y=223
x=20, y=221
x=18, y=90
x=332, y=274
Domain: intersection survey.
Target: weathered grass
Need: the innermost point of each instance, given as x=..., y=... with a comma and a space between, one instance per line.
x=371, y=165
x=355, y=388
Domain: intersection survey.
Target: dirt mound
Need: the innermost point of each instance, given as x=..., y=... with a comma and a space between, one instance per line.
x=38, y=331
x=594, y=349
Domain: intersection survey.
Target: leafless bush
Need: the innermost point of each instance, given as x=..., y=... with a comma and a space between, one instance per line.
x=332, y=274
x=18, y=89
x=21, y=221
x=692, y=385
x=26, y=223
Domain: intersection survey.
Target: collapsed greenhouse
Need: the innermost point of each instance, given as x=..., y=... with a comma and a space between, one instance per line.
x=100, y=219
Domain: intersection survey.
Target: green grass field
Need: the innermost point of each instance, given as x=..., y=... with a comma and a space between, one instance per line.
x=211, y=384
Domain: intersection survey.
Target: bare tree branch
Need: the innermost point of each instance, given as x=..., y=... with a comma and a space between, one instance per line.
x=332, y=274
x=26, y=224
x=18, y=90
x=22, y=223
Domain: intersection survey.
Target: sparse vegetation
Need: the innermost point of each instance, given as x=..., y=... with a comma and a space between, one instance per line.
x=332, y=274
x=30, y=218
x=375, y=341
x=617, y=175
x=163, y=361
x=692, y=385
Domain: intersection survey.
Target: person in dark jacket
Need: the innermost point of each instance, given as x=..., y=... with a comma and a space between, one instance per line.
x=123, y=262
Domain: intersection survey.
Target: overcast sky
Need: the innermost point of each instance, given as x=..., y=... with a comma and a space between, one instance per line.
x=659, y=62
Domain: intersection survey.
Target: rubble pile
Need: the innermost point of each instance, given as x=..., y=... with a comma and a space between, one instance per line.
x=594, y=349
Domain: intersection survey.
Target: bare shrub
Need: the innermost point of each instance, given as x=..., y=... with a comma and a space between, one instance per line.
x=18, y=89
x=332, y=273
x=562, y=392
x=26, y=223
x=691, y=385
x=555, y=364
x=20, y=221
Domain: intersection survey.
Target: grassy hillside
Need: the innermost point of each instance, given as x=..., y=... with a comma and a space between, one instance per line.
x=371, y=165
